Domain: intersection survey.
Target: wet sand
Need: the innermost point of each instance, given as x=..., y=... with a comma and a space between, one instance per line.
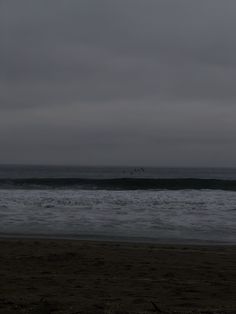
x=66, y=276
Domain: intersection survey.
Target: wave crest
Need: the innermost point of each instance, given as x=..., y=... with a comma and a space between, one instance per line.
x=119, y=184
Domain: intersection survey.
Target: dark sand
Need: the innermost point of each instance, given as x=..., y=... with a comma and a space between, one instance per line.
x=60, y=276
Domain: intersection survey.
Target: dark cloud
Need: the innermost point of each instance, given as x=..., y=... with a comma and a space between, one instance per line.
x=118, y=82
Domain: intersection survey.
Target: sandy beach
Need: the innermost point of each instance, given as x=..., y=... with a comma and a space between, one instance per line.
x=69, y=276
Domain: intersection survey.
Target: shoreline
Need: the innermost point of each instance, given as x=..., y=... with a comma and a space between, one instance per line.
x=117, y=239
x=82, y=276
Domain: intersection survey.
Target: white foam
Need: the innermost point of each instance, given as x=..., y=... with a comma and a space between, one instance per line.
x=186, y=214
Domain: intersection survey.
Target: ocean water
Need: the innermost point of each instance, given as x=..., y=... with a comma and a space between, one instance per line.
x=144, y=204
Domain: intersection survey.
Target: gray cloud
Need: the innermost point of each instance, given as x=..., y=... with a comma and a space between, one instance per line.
x=118, y=82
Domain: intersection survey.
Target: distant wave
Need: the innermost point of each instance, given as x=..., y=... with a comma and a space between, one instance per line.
x=118, y=184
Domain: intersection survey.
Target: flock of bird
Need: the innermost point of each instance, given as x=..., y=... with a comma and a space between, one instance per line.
x=134, y=171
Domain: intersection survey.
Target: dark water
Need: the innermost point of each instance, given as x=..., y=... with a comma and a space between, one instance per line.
x=115, y=172
x=169, y=204
x=111, y=178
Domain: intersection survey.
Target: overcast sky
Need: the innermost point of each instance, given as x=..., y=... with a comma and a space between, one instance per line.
x=118, y=82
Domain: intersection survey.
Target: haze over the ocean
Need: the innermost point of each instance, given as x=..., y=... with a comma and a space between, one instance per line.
x=128, y=82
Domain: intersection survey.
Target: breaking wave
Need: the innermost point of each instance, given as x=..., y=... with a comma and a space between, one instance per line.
x=118, y=184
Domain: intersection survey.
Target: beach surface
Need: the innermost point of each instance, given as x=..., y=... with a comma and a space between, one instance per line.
x=74, y=276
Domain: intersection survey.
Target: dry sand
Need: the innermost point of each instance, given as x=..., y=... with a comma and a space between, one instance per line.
x=65, y=276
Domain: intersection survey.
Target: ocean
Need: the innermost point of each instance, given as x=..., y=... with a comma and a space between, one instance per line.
x=186, y=205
